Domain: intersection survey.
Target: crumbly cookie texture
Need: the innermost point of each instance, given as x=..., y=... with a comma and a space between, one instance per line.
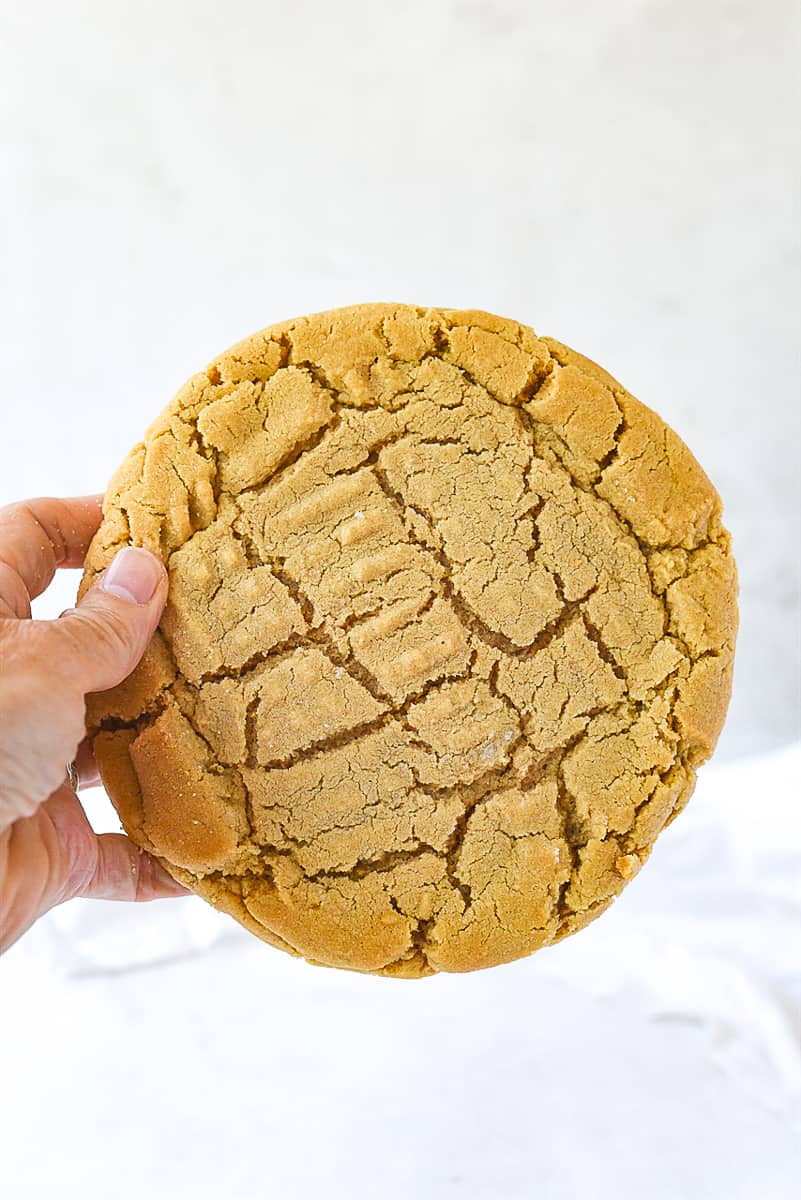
x=450, y=627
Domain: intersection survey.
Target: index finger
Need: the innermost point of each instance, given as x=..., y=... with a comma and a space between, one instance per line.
x=37, y=537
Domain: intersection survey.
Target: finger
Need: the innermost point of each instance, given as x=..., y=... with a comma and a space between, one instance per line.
x=55, y=855
x=88, y=773
x=107, y=866
x=100, y=642
x=49, y=666
x=37, y=537
x=124, y=872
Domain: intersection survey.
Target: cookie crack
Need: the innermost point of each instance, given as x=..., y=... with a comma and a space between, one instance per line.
x=468, y=617
x=645, y=548
x=604, y=653
x=621, y=428
x=288, y=460
x=334, y=741
x=537, y=378
x=375, y=864
x=474, y=794
x=573, y=829
x=262, y=658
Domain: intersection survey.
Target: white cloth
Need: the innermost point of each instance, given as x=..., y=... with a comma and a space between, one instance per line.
x=160, y=1049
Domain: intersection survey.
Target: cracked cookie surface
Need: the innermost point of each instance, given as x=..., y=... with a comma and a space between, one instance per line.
x=450, y=627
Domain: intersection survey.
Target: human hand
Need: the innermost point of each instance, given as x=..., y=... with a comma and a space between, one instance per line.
x=48, y=851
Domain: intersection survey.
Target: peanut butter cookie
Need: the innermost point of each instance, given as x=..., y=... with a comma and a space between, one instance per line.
x=450, y=627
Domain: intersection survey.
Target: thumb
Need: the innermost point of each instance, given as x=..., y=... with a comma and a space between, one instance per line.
x=106, y=635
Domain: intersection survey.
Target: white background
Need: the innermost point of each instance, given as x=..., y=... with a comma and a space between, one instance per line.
x=621, y=175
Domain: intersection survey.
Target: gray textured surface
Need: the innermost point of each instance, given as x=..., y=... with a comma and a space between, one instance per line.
x=621, y=176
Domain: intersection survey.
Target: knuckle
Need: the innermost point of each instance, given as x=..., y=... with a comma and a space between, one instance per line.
x=8, y=512
x=13, y=591
x=112, y=633
x=101, y=632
